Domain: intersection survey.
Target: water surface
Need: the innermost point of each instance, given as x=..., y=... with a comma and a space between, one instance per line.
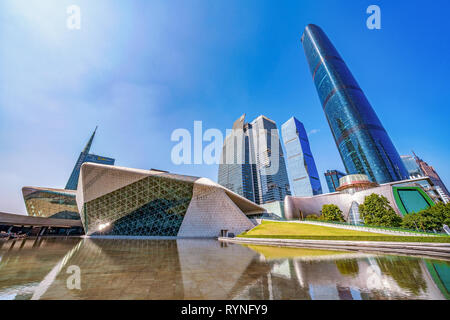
x=208, y=269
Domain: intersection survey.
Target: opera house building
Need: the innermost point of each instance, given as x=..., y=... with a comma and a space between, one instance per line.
x=118, y=201
x=50, y=203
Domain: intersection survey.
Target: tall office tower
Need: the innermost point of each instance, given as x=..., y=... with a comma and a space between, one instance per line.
x=362, y=141
x=250, y=165
x=432, y=174
x=235, y=170
x=332, y=177
x=300, y=161
x=273, y=181
x=85, y=156
x=411, y=165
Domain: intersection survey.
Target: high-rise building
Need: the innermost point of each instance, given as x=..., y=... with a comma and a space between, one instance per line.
x=411, y=165
x=362, y=141
x=332, y=177
x=432, y=174
x=250, y=165
x=300, y=161
x=85, y=156
x=237, y=173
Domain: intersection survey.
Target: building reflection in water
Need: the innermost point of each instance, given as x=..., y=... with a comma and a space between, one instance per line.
x=208, y=269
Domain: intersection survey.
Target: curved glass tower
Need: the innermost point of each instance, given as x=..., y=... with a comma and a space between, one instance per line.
x=362, y=141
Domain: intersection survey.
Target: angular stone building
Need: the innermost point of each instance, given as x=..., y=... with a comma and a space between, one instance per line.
x=120, y=201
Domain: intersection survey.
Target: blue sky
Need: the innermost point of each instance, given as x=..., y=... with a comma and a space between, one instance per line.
x=141, y=69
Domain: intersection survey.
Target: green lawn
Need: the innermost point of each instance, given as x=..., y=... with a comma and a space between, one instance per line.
x=271, y=252
x=288, y=230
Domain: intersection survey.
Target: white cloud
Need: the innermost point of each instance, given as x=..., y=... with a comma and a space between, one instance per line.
x=313, y=131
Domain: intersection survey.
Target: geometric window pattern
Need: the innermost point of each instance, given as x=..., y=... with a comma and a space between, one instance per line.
x=152, y=206
x=51, y=204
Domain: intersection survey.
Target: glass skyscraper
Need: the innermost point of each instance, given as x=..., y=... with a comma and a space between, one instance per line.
x=247, y=157
x=238, y=176
x=332, y=177
x=411, y=165
x=300, y=161
x=85, y=156
x=362, y=141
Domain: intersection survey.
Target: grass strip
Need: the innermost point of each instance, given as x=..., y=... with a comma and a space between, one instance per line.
x=354, y=238
x=289, y=230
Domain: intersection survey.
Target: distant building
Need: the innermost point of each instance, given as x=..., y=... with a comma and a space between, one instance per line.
x=412, y=166
x=362, y=141
x=429, y=171
x=332, y=177
x=50, y=203
x=72, y=183
x=239, y=174
x=250, y=165
x=405, y=197
x=300, y=161
x=60, y=203
x=274, y=209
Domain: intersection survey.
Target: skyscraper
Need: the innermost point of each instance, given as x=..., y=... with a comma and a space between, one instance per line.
x=251, y=165
x=85, y=156
x=237, y=173
x=411, y=165
x=432, y=174
x=273, y=181
x=332, y=177
x=300, y=161
x=362, y=141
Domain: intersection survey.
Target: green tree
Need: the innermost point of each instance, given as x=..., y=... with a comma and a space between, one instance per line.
x=331, y=212
x=429, y=219
x=376, y=210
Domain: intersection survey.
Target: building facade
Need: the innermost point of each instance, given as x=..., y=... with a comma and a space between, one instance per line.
x=429, y=171
x=72, y=183
x=252, y=161
x=236, y=172
x=50, y=203
x=412, y=166
x=118, y=201
x=362, y=141
x=332, y=177
x=270, y=166
x=304, y=178
x=405, y=197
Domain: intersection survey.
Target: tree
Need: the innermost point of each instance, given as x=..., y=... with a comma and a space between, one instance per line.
x=429, y=219
x=331, y=212
x=376, y=210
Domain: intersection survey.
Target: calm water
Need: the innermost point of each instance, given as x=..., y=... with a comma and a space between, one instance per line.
x=207, y=269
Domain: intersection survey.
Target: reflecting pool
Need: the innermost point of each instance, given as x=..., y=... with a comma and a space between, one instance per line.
x=45, y=268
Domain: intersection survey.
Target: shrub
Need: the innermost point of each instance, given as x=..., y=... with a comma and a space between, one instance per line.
x=429, y=219
x=377, y=211
x=331, y=212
